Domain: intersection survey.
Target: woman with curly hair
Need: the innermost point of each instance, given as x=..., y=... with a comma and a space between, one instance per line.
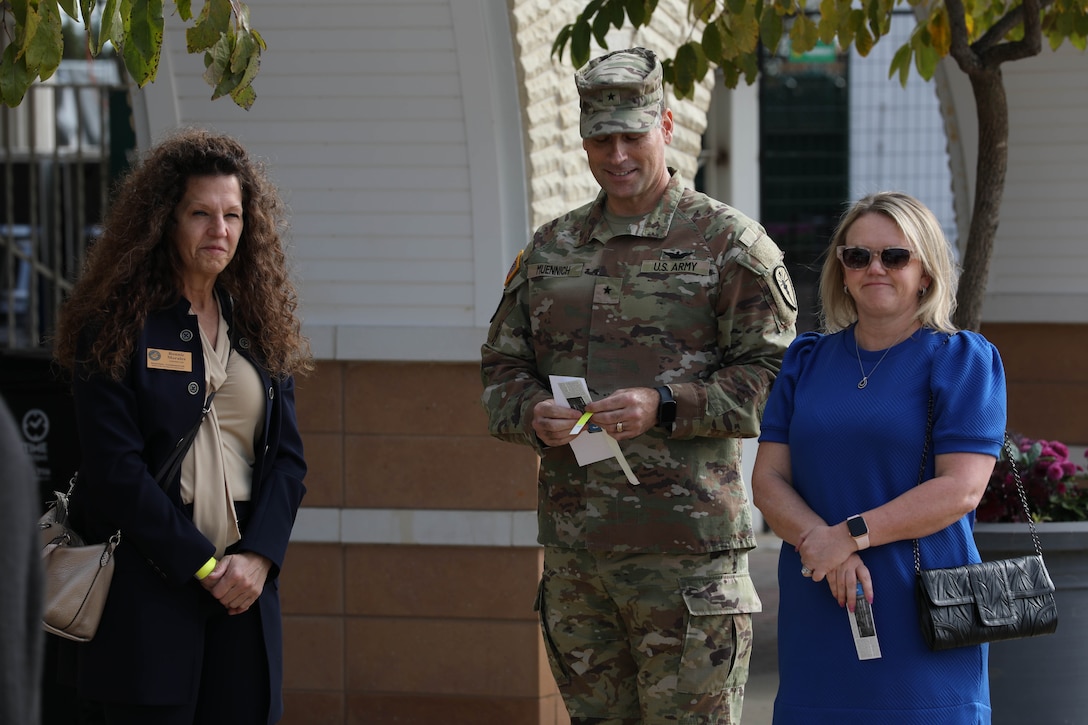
x=185, y=305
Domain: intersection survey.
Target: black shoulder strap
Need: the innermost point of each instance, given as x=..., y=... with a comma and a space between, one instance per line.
x=173, y=463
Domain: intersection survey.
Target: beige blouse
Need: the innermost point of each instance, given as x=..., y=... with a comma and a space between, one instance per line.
x=218, y=469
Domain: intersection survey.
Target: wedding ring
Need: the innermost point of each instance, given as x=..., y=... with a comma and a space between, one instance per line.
x=619, y=427
x=805, y=571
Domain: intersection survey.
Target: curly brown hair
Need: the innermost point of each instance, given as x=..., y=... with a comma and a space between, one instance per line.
x=134, y=268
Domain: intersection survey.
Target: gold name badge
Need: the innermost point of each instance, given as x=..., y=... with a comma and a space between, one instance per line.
x=169, y=360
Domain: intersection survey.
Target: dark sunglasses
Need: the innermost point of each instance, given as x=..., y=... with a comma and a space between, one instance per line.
x=861, y=258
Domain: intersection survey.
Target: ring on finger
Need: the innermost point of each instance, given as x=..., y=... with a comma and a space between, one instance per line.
x=805, y=571
x=619, y=427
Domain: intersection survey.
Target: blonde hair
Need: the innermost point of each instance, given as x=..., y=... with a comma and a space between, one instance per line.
x=927, y=240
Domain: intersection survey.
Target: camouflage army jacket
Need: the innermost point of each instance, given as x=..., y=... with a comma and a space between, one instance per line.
x=695, y=297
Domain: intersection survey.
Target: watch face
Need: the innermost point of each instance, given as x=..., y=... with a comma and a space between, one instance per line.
x=857, y=526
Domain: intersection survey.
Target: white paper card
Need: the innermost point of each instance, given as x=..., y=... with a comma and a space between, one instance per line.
x=863, y=626
x=592, y=444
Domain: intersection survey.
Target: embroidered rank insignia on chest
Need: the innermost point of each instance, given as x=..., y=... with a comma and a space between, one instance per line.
x=606, y=292
x=676, y=253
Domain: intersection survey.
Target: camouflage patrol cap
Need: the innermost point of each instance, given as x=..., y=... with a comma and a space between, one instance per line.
x=620, y=93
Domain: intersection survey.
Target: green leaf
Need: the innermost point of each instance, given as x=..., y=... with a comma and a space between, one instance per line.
x=901, y=63
x=746, y=30
x=185, y=9
x=19, y=10
x=770, y=28
x=245, y=50
x=730, y=76
x=86, y=8
x=217, y=60
x=712, y=42
x=244, y=96
x=214, y=20
x=112, y=27
x=803, y=34
x=925, y=60
x=143, y=39
x=561, y=41
x=686, y=71
x=70, y=8
x=668, y=72
x=863, y=41
x=736, y=7
x=15, y=79
x=145, y=28
x=703, y=10
x=600, y=26
x=1080, y=25
x=615, y=13
x=730, y=47
x=749, y=64
x=636, y=10
x=579, y=43
x=29, y=29
x=829, y=21
x=46, y=48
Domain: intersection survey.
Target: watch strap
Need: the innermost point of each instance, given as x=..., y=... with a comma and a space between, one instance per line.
x=666, y=408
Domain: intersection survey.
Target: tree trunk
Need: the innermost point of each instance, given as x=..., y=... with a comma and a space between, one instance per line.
x=993, y=160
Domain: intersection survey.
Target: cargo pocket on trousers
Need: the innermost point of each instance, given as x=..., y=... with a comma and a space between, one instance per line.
x=559, y=672
x=718, y=632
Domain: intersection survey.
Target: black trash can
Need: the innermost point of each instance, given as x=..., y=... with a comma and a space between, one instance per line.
x=40, y=400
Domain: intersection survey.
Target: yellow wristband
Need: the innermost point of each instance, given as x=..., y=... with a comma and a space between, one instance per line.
x=207, y=569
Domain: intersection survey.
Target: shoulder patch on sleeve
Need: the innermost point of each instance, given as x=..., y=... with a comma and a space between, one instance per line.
x=765, y=253
x=514, y=268
x=784, y=283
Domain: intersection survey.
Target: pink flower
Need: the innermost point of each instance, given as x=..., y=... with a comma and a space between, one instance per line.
x=1055, y=487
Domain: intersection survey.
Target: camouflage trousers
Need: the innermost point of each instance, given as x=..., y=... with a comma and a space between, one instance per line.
x=648, y=638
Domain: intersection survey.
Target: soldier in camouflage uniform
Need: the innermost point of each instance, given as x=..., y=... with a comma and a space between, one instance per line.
x=676, y=309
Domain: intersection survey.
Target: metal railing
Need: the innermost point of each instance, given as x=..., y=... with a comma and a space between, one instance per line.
x=60, y=149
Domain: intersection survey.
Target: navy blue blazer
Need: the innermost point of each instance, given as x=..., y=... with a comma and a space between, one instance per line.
x=147, y=648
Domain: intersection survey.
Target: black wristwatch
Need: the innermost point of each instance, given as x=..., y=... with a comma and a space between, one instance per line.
x=666, y=409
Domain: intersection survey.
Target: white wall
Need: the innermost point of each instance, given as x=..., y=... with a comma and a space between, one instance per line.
x=393, y=130
x=1039, y=271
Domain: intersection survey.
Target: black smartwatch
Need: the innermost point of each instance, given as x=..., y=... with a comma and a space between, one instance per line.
x=859, y=530
x=666, y=409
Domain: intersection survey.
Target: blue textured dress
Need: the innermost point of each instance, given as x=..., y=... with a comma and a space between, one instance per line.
x=852, y=450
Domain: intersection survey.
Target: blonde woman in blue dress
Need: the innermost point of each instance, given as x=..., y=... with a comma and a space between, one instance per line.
x=836, y=476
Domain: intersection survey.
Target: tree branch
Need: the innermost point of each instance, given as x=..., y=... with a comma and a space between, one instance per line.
x=961, y=50
x=991, y=48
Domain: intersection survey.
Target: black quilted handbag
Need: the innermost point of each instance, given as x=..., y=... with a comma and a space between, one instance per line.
x=986, y=602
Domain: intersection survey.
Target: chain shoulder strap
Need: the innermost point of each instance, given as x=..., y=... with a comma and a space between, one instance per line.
x=1008, y=450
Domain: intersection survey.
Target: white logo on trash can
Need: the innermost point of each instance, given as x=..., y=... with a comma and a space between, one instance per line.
x=35, y=425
